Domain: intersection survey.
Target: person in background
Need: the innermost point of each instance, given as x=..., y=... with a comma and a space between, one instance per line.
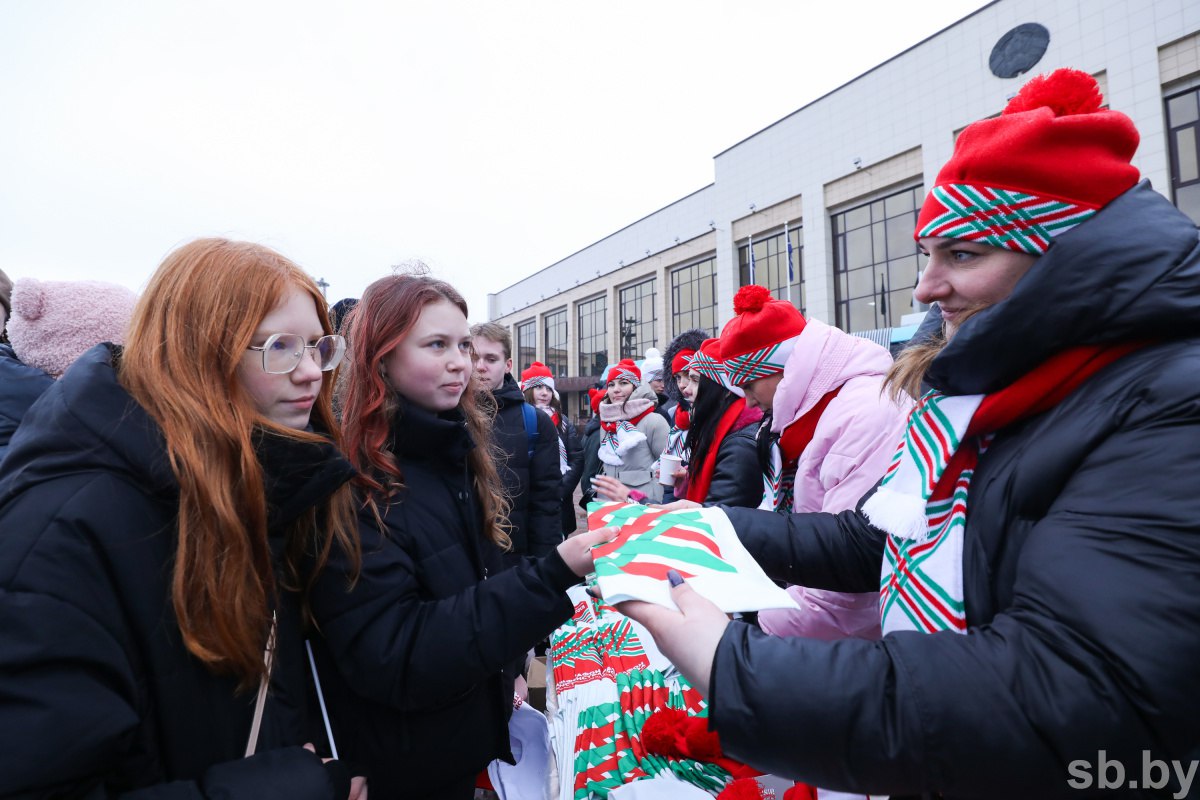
x=158, y=505
x=52, y=324
x=829, y=436
x=680, y=390
x=591, y=447
x=652, y=375
x=537, y=383
x=5, y=304
x=1034, y=539
x=419, y=655
x=723, y=462
x=529, y=468
x=632, y=435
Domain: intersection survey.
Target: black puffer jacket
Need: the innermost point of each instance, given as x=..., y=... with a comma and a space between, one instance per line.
x=424, y=648
x=737, y=480
x=532, y=484
x=570, y=478
x=20, y=385
x=98, y=695
x=1081, y=562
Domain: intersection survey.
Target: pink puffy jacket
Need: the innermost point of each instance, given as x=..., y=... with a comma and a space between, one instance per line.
x=853, y=444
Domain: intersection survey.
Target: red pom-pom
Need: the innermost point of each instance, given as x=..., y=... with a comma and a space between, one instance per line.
x=663, y=730
x=1064, y=91
x=702, y=744
x=750, y=298
x=741, y=789
x=801, y=791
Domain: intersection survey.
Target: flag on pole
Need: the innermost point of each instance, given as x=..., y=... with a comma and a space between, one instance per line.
x=751, y=248
x=791, y=277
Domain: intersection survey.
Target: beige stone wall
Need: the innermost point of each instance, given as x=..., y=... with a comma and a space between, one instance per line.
x=872, y=178
x=1179, y=59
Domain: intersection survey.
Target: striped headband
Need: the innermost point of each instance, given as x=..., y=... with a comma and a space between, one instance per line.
x=538, y=380
x=682, y=361
x=714, y=370
x=760, y=363
x=1014, y=220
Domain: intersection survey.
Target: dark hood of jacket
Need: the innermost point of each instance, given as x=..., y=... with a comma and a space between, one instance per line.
x=20, y=386
x=1075, y=295
x=509, y=393
x=688, y=340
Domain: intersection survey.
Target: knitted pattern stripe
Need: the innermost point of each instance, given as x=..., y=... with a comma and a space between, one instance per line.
x=1004, y=218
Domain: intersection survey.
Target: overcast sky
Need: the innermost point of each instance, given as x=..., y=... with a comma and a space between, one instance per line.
x=488, y=139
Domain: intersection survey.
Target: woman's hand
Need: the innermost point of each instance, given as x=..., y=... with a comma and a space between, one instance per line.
x=577, y=549
x=358, y=784
x=611, y=488
x=687, y=637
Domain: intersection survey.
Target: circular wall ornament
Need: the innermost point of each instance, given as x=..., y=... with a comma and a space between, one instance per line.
x=1017, y=51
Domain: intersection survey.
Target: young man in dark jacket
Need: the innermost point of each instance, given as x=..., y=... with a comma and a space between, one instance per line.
x=530, y=474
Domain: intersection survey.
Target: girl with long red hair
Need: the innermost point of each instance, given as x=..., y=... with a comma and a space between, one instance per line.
x=426, y=646
x=163, y=507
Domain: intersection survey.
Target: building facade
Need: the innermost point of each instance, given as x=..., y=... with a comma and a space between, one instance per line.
x=833, y=189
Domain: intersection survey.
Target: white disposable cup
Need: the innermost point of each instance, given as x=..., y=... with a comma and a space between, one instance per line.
x=667, y=467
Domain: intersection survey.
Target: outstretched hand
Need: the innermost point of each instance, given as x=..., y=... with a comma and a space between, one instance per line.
x=576, y=550
x=687, y=637
x=611, y=488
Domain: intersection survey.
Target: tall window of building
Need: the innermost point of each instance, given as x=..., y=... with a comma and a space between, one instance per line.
x=694, y=297
x=526, y=346
x=771, y=265
x=1183, y=142
x=876, y=262
x=556, y=342
x=593, y=334
x=637, y=319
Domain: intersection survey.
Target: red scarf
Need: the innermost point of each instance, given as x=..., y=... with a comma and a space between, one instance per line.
x=697, y=490
x=795, y=437
x=611, y=427
x=1038, y=390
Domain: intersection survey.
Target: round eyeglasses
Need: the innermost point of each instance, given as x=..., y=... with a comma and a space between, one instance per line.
x=281, y=353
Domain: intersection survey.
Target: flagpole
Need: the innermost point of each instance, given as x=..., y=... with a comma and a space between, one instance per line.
x=787, y=248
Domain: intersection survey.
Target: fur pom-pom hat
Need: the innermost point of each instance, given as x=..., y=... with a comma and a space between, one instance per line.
x=1052, y=159
x=756, y=343
x=54, y=322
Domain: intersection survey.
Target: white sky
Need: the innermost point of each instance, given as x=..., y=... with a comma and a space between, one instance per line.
x=489, y=139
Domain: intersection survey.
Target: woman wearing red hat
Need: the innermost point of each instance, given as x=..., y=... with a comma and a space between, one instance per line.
x=632, y=435
x=1034, y=539
x=537, y=383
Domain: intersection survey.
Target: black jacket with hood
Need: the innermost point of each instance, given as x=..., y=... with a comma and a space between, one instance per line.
x=98, y=695
x=419, y=658
x=20, y=385
x=1081, y=559
x=532, y=484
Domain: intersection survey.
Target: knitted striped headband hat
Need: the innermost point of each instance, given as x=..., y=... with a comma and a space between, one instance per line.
x=707, y=362
x=625, y=369
x=682, y=361
x=538, y=374
x=756, y=343
x=1045, y=165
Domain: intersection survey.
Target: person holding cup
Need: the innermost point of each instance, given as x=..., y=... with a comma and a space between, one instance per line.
x=722, y=462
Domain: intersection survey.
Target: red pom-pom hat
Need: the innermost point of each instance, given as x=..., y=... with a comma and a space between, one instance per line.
x=627, y=369
x=538, y=374
x=756, y=343
x=1045, y=165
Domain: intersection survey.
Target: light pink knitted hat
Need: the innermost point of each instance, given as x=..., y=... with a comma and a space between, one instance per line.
x=54, y=322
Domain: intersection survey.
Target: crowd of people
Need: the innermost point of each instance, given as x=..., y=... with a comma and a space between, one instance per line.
x=224, y=573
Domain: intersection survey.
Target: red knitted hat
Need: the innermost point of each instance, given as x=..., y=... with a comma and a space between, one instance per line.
x=538, y=374
x=682, y=361
x=1045, y=165
x=758, y=340
x=625, y=368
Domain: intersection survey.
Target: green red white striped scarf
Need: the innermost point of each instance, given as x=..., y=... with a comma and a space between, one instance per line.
x=922, y=501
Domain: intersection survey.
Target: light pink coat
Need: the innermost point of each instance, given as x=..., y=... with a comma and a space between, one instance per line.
x=853, y=444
